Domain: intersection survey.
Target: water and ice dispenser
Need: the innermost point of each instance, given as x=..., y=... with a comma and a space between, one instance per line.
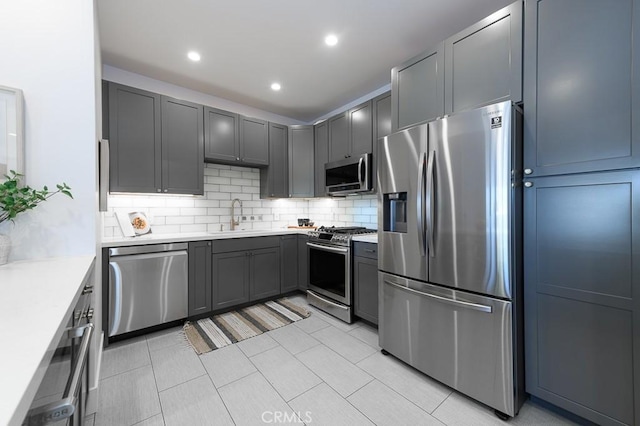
x=394, y=214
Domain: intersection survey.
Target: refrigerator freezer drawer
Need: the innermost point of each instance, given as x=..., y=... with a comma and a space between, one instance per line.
x=460, y=339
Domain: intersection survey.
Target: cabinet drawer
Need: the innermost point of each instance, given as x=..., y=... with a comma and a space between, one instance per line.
x=368, y=250
x=238, y=244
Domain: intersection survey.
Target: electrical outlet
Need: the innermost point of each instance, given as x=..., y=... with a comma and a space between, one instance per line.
x=244, y=218
x=260, y=217
x=276, y=216
x=253, y=218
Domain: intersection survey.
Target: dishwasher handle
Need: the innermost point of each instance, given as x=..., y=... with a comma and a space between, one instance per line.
x=154, y=248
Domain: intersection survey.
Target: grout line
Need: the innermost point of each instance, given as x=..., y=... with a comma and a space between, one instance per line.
x=155, y=381
x=221, y=399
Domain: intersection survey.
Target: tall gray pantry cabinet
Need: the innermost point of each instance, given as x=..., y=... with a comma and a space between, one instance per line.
x=582, y=211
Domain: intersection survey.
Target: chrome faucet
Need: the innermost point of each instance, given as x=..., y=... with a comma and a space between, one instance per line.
x=235, y=222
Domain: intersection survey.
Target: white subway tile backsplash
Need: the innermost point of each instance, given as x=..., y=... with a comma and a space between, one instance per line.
x=193, y=228
x=179, y=220
x=193, y=211
x=174, y=214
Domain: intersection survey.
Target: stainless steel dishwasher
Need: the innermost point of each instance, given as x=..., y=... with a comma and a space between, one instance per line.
x=148, y=285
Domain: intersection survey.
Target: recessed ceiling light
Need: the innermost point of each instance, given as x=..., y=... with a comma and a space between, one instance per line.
x=194, y=56
x=275, y=86
x=331, y=40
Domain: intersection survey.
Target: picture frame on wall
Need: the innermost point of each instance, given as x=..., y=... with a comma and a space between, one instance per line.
x=11, y=131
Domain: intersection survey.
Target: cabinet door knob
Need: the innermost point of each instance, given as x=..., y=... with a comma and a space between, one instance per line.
x=159, y=190
x=528, y=184
x=528, y=171
x=166, y=190
x=237, y=158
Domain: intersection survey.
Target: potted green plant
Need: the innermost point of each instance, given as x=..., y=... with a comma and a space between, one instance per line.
x=15, y=199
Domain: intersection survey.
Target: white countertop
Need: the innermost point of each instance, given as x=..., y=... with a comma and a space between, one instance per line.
x=196, y=236
x=367, y=238
x=36, y=303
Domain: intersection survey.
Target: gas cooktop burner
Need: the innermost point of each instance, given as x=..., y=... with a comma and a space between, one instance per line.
x=338, y=235
x=351, y=230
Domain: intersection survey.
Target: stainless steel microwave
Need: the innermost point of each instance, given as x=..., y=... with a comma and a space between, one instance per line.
x=349, y=176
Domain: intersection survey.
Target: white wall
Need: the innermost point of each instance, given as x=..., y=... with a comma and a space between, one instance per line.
x=183, y=214
x=47, y=50
x=127, y=78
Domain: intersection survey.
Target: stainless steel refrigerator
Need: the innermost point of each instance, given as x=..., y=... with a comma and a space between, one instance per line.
x=449, y=229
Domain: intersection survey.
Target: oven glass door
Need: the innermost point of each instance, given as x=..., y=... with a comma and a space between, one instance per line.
x=330, y=271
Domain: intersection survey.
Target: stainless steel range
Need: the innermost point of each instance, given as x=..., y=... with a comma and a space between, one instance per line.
x=329, y=254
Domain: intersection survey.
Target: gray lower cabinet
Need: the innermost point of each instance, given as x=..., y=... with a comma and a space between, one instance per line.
x=301, y=162
x=288, y=263
x=264, y=267
x=321, y=156
x=245, y=269
x=582, y=294
x=182, y=147
x=417, y=89
x=200, y=297
x=254, y=141
x=274, y=182
x=135, y=139
x=221, y=136
x=230, y=279
x=365, y=280
x=581, y=86
x=156, y=142
x=303, y=263
x=483, y=63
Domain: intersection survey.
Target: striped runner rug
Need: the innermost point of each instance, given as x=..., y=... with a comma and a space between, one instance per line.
x=218, y=331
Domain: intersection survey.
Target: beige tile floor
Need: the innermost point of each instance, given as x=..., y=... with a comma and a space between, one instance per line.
x=326, y=371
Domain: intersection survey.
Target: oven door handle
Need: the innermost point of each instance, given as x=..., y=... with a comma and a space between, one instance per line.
x=327, y=248
x=65, y=407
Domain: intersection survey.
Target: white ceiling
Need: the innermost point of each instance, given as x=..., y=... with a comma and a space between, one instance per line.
x=248, y=44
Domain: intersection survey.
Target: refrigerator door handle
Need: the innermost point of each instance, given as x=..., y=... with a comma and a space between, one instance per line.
x=420, y=202
x=103, y=181
x=458, y=303
x=431, y=202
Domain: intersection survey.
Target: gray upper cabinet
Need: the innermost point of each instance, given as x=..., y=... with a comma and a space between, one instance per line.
x=339, y=137
x=381, y=116
x=417, y=89
x=156, y=142
x=274, y=179
x=221, y=136
x=254, y=141
x=301, y=162
x=483, y=63
x=361, y=129
x=182, y=147
x=135, y=139
x=582, y=293
x=581, y=86
x=351, y=132
x=321, y=156
x=381, y=126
